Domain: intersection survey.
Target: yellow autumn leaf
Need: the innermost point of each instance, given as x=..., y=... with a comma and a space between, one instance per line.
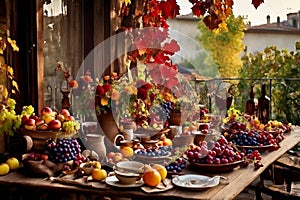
x=13, y=44
x=10, y=70
x=5, y=93
x=15, y=84
x=127, y=2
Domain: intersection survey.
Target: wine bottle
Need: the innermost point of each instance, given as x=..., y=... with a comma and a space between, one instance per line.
x=263, y=106
x=250, y=104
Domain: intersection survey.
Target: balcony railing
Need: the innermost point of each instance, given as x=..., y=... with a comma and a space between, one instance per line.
x=284, y=94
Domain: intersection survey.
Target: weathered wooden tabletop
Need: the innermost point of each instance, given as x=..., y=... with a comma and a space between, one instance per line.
x=238, y=180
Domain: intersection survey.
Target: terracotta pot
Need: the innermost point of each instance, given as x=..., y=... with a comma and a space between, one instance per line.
x=177, y=118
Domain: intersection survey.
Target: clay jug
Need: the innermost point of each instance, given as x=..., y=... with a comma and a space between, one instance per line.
x=96, y=142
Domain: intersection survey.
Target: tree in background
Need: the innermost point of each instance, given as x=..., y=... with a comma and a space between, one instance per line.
x=224, y=45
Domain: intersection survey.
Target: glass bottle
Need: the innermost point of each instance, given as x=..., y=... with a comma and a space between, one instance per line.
x=250, y=104
x=263, y=110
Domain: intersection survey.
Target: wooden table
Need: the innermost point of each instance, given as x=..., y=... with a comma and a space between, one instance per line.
x=238, y=179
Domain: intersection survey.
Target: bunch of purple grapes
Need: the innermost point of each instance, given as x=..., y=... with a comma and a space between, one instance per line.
x=177, y=166
x=63, y=149
x=155, y=152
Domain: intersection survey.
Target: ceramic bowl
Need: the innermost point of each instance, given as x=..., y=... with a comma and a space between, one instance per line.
x=87, y=168
x=127, y=178
x=130, y=167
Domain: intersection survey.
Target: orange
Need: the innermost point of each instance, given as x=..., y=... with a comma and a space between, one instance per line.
x=151, y=177
x=261, y=127
x=161, y=169
x=127, y=152
x=167, y=142
x=99, y=174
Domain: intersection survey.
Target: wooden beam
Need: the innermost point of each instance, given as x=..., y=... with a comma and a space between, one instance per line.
x=40, y=53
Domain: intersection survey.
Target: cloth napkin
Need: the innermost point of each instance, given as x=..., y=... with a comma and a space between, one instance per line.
x=164, y=185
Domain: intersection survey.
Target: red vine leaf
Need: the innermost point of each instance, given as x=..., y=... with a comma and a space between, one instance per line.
x=169, y=8
x=212, y=21
x=257, y=3
x=173, y=81
x=171, y=47
x=229, y=3
x=160, y=58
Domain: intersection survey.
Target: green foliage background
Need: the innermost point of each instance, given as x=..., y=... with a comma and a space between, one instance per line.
x=279, y=69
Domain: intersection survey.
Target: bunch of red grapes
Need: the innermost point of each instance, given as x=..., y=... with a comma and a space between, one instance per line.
x=213, y=152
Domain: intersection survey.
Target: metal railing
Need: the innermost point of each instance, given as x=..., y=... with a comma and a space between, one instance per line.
x=216, y=82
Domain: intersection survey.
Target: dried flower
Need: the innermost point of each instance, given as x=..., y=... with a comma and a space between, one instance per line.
x=66, y=72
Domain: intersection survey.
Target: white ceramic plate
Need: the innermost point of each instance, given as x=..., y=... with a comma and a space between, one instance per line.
x=192, y=181
x=113, y=181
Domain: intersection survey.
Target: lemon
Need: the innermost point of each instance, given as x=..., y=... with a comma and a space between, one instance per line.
x=4, y=169
x=162, y=170
x=97, y=164
x=13, y=163
x=127, y=152
x=99, y=174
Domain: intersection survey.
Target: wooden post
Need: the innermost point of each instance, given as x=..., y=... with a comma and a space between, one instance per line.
x=40, y=53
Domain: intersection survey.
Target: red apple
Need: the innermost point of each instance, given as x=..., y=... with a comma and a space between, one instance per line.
x=65, y=112
x=39, y=122
x=24, y=118
x=60, y=117
x=46, y=110
x=34, y=117
x=70, y=118
x=42, y=127
x=54, y=125
x=30, y=124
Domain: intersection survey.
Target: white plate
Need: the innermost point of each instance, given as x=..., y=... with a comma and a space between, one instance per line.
x=113, y=181
x=193, y=181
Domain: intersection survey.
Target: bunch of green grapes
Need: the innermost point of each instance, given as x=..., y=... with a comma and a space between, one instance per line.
x=234, y=115
x=27, y=110
x=71, y=127
x=10, y=122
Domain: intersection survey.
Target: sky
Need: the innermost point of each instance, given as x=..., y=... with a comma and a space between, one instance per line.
x=258, y=16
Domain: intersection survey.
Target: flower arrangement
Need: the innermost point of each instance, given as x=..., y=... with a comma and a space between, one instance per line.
x=148, y=99
x=66, y=72
x=84, y=94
